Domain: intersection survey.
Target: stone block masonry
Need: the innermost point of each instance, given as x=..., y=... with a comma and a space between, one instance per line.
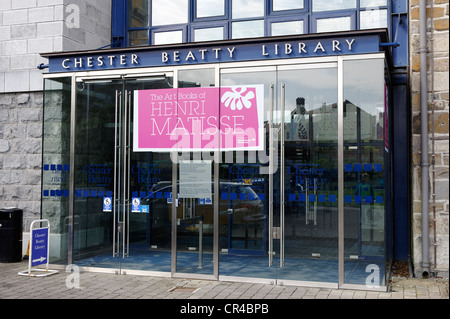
x=21, y=152
x=438, y=97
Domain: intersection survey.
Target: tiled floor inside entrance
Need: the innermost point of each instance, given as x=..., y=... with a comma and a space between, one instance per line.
x=298, y=269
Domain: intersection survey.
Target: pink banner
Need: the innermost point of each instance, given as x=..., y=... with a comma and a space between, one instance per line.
x=199, y=119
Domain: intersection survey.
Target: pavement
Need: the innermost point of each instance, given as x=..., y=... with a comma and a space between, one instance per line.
x=94, y=285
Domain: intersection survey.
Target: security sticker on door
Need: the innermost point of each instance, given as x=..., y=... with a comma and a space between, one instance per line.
x=135, y=205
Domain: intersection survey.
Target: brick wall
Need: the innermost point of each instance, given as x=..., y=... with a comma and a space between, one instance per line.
x=440, y=98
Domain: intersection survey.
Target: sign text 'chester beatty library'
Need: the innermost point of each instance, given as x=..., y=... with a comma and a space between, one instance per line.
x=219, y=52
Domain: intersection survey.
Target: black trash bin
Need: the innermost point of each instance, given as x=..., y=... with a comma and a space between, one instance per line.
x=11, y=220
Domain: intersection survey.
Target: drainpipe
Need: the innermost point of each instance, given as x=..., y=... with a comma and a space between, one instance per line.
x=424, y=132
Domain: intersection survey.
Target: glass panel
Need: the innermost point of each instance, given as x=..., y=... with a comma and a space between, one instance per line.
x=210, y=8
x=94, y=172
x=247, y=8
x=56, y=163
x=208, y=34
x=149, y=226
x=364, y=197
x=279, y=5
x=168, y=37
x=166, y=12
x=334, y=24
x=286, y=28
x=372, y=19
x=138, y=13
x=372, y=3
x=195, y=213
x=138, y=37
x=247, y=29
x=244, y=198
x=311, y=175
x=326, y=5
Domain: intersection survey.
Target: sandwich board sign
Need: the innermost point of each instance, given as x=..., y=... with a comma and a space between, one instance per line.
x=39, y=249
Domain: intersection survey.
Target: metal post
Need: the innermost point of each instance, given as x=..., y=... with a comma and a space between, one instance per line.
x=200, y=244
x=424, y=132
x=282, y=177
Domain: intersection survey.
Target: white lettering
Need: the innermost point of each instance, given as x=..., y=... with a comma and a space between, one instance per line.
x=217, y=52
x=100, y=61
x=134, y=59
x=350, y=44
x=111, y=58
x=288, y=48
x=231, y=51
x=122, y=59
x=301, y=48
x=78, y=63
x=89, y=62
x=264, y=50
x=64, y=64
x=336, y=45
x=203, y=53
x=176, y=56
x=190, y=56
x=164, y=57
x=319, y=46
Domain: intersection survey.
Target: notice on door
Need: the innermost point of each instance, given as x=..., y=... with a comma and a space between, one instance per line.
x=199, y=119
x=195, y=179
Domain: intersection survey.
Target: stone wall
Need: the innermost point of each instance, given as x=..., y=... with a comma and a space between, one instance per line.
x=438, y=46
x=21, y=152
x=28, y=28
x=31, y=27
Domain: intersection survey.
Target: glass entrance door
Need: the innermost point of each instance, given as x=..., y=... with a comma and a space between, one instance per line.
x=292, y=230
x=121, y=218
x=309, y=173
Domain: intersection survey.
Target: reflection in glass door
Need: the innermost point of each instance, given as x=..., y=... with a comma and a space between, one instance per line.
x=111, y=229
x=194, y=172
x=247, y=210
x=308, y=162
x=296, y=234
x=147, y=223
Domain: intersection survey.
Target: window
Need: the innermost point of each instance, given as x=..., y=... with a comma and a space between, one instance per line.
x=373, y=3
x=327, y=5
x=286, y=28
x=209, y=8
x=280, y=5
x=209, y=34
x=371, y=19
x=139, y=14
x=168, y=37
x=247, y=29
x=165, y=12
x=172, y=21
x=247, y=8
x=334, y=24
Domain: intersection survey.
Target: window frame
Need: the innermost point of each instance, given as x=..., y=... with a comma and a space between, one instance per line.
x=195, y=19
x=352, y=14
x=304, y=18
x=270, y=16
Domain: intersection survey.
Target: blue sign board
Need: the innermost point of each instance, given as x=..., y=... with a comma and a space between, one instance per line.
x=39, y=246
x=218, y=52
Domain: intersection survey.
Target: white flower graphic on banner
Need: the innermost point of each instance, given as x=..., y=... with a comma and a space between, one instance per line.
x=237, y=98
